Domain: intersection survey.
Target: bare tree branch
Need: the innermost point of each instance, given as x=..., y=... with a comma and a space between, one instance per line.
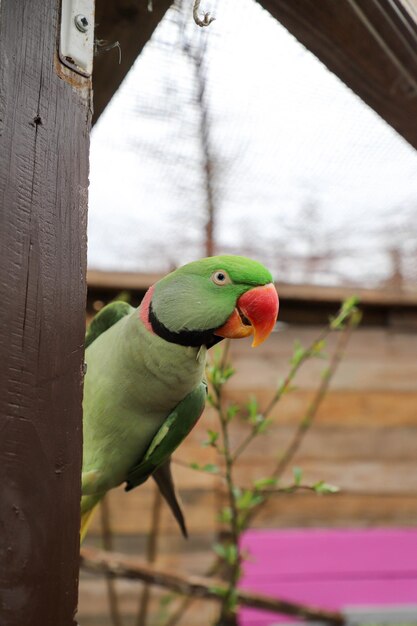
x=118, y=566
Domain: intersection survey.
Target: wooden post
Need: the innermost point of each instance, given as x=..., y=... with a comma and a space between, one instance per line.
x=44, y=137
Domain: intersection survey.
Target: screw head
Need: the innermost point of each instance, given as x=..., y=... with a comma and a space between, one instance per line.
x=81, y=22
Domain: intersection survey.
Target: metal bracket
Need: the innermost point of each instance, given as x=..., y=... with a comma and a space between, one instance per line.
x=76, y=42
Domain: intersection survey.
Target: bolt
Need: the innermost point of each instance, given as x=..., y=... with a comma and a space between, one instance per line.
x=81, y=23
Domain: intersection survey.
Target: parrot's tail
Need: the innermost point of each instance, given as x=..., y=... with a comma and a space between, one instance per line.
x=85, y=522
x=88, y=506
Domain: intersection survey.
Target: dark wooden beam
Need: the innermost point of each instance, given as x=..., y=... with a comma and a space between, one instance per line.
x=370, y=44
x=131, y=24
x=44, y=139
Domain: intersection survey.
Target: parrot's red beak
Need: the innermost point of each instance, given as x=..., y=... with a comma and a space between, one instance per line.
x=256, y=313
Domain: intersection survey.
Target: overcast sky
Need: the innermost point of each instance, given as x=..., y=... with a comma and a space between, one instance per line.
x=302, y=165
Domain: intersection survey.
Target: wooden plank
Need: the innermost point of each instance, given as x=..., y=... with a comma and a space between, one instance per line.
x=192, y=555
x=130, y=513
x=94, y=608
x=325, y=443
x=366, y=343
x=44, y=138
x=98, y=279
x=357, y=508
x=353, y=410
x=338, y=511
x=376, y=477
x=373, y=474
x=184, y=560
x=352, y=375
x=369, y=44
x=130, y=24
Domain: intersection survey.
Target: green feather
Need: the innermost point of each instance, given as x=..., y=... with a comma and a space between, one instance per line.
x=172, y=432
x=109, y=315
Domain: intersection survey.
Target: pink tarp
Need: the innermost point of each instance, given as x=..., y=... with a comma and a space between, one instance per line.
x=330, y=568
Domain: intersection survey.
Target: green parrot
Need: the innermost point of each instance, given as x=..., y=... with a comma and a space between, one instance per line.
x=144, y=387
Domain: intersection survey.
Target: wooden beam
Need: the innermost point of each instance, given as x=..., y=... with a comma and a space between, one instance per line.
x=44, y=140
x=370, y=44
x=96, y=279
x=130, y=24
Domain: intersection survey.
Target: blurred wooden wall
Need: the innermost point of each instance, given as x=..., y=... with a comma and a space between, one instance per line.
x=363, y=440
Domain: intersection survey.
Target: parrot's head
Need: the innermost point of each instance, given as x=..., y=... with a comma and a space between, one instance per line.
x=206, y=300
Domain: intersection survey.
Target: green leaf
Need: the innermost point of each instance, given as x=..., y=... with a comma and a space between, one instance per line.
x=212, y=438
x=298, y=475
x=261, y=483
x=225, y=515
x=323, y=487
x=237, y=492
x=219, y=591
x=220, y=550
x=210, y=468
x=298, y=354
x=231, y=411
x=252, y=407
x=232, y=600
x=166, y=599
x=227, y=373
x=318, y=348
x=231, y=554
x=243, y=502
x=349, y=307
x=283, y=388
x=248, y=500
x=263, y=425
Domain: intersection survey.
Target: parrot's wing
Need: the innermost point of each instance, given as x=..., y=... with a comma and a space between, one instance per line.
x=109, y=315
x=172, y=432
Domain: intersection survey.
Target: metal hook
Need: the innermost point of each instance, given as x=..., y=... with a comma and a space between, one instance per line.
x=206, y=21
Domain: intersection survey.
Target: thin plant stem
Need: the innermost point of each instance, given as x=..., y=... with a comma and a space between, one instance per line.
x=182, y=463
x=151, y=552
x=282, y=389
x=175, y=617
x=226, y=615
x=307, y=421
x=352, y=321
x=107, y=541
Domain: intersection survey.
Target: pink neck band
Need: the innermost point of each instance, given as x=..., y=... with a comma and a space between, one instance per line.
x=144, y=309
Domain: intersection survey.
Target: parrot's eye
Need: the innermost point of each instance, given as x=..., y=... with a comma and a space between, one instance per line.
x=221, y=277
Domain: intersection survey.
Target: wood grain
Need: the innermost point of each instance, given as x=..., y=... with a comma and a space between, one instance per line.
x=44, y=138
x=342, y=510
